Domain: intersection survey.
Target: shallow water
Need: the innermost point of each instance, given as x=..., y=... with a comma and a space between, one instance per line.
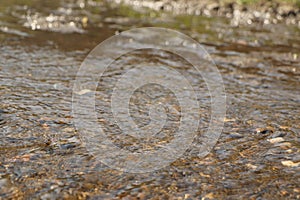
x=42, y=46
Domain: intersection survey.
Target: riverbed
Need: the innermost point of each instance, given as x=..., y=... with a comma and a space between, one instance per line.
x=43, y=44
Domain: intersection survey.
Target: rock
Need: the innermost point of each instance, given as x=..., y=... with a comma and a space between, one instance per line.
x=290, y=163
x=250, y=166
x=229, y=120
x=208, y=196
x=48, y=196
x=68, y=146
x=279, y=134
x=186, y=196
x=285, y=145
x=284, y=9
x=3, y=183
x=283, y=192
x=264, y=131
x=296, y=158
x=285, y=128
x=235, y=135
x=1, y=117
x=276, y=140
x=22, y=158
x=82, y=92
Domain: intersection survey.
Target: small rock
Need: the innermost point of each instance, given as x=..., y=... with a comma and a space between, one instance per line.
x=229, y=120
x=283, y=192
x=279, y=134
x=285, y=128
x=250, y=166
x=84, y=91
x=3, y=183
x=1, y=117
x=84, y=21
x=23, y=158
x=46, y=126
x=68, y=146
x=204, y=175
x=290, y=163
x=186, y=196
x=208, y=196
x=285, y=145
x=235, y=135
x=297, y=190
x=296, y=158
x=68, y=129
x=73, y=140
x=284, y=9
x=276, y=140
x=47, y=197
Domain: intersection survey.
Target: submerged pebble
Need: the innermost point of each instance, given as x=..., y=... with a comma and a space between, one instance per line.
x=276, y=140
x=290, y=163
x=235, y=135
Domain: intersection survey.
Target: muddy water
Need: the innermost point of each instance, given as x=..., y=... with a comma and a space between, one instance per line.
x=42, y=46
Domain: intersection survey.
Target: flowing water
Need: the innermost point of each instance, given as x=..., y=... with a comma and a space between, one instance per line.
x=43, y=43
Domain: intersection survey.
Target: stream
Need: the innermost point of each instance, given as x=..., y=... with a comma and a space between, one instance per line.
x=43, y=44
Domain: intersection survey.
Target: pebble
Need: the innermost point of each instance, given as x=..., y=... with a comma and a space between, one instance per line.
x=84, y=91
x=286, y=128
x=186, y=196
x=22, y=158
x=1, y=117
x=276, y=140
x=229, y=120
x=285, y=145
x=297, y=190
x=296, y=158
x=250, y=166
x=235, y=135
x=3, y=183
x=47, y=197
x=290, y=163
x=68, y=146
x=208, y=196
x=68, y=129
x=279, y=134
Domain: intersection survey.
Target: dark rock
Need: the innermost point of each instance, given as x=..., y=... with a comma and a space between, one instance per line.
x=279, y=134
x=68, y=146
x=1, y=117
x=235, y=135
x=264, y=131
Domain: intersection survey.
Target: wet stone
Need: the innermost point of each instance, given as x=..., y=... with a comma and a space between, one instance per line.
x=1, y=117
x=235, y=135
x=296, y=158
x=68, y=146
x=3, y=183
x=289, y=163
x=284, y=145
x=276, y=140
x=279, y=134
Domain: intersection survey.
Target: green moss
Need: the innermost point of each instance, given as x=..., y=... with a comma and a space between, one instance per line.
x=128, y=11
